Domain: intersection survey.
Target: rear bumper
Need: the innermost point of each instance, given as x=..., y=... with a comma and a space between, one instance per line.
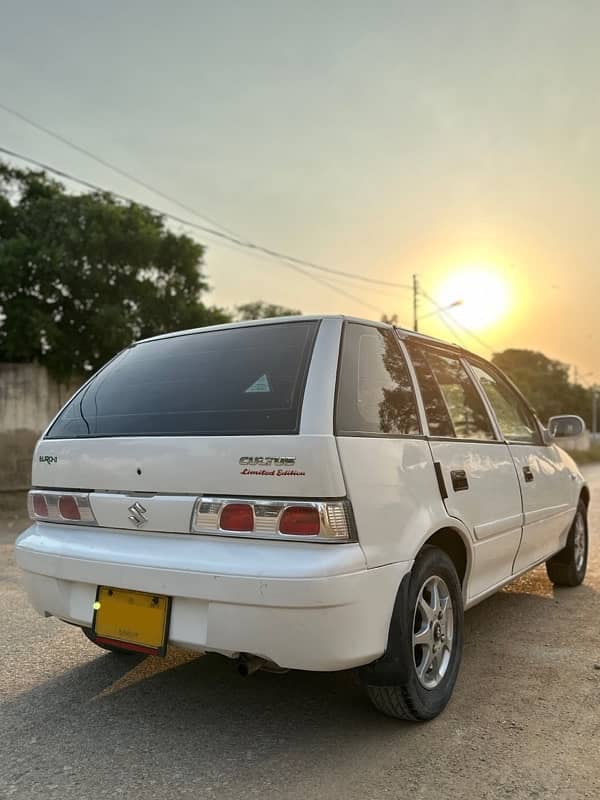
x=301, y=605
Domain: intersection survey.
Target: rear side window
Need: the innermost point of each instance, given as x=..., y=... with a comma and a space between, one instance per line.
x=245, y=381
x=453, y=406
x=375, y=394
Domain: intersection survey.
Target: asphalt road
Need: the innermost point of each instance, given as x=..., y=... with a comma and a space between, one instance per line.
x=524, y=721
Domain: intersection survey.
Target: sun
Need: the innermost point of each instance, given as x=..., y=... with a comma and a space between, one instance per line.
x=481, y=296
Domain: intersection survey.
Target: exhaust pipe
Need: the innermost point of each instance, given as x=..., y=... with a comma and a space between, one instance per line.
x=248, y=665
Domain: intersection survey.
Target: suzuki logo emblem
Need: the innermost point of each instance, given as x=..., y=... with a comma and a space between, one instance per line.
x=137, y=514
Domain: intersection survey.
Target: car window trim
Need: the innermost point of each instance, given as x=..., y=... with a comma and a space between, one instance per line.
x=467, y=441
x=373, y=435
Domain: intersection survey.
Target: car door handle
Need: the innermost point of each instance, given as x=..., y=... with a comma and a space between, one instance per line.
x=528, y=474
x=459, y=480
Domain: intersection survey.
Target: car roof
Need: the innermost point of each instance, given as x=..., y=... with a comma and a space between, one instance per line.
x=405, y=333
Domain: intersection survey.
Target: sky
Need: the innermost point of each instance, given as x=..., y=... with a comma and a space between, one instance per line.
x=382, y=139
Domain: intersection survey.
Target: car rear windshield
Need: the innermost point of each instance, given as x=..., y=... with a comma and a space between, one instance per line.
x=247, y=380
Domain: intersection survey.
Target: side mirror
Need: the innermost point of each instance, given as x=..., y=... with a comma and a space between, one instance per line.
x=566, y=426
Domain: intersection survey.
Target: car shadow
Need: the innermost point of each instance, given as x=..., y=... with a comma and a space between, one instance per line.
x=195, y=716
x=189, y=715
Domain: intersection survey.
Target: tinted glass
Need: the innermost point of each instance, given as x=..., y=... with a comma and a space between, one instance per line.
x=375, y=393
x=514, y=418
x=452, y=404
x=436, y=411
x=469, y=417
x=246, y=380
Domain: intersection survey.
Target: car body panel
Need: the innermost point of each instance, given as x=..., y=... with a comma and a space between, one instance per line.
x=549, y=499
x=393, y=489
x=301, y=605
x=192, y=465
x=490, y=507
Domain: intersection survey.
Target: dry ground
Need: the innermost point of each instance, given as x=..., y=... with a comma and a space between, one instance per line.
x=524, y=721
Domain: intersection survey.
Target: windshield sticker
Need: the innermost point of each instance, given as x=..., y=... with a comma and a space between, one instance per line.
x=260, y=385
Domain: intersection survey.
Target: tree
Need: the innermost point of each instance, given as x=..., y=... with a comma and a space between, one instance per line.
x=262, y=310
x=82, y=276
x=545, y=383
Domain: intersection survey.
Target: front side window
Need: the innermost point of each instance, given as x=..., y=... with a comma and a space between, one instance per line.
x=247, y=381
x=453, y=406
x=514, y=418
x=375, y=394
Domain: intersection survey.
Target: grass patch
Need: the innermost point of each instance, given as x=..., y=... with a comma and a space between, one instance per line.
x=586, y=456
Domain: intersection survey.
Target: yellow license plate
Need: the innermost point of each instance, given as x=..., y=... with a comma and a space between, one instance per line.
x=133, y=620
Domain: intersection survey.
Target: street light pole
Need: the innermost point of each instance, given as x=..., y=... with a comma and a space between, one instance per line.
x=594, y=409
x=415, y=302
x=441, y=309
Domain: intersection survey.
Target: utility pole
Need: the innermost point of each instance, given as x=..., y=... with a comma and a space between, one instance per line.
x=415, y=302
x=594, y=409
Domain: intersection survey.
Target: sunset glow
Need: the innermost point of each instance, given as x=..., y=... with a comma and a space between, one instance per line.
x=483, y=294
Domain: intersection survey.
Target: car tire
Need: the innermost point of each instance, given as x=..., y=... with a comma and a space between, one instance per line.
x=568, y=567
x=422, y=631
x=111, y=648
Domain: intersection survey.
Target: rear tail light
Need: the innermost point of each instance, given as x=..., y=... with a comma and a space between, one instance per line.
x=315, y=520
x=69, y=507
x=39, y=504
x=301, y=521
x=237, y=517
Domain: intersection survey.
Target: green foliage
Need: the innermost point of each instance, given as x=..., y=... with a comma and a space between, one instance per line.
x=261, y=310
x=545, y=383
x=82, y=276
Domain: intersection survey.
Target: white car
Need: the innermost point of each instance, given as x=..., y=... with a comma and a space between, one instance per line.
x=315, y=493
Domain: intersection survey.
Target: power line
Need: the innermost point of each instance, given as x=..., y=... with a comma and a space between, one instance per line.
x=444, y=317
x=225, y=233
x=255, y=250
x=336, y=289
x=316, y=278
x=118, y=170
x=341, y=282
x=457, y=323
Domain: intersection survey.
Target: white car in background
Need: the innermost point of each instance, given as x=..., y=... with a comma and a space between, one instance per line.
x=315, y=493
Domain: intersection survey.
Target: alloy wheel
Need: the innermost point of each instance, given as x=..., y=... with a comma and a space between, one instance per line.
x=433, y=632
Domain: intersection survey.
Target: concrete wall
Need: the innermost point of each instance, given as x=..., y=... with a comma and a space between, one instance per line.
x=29, y=398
